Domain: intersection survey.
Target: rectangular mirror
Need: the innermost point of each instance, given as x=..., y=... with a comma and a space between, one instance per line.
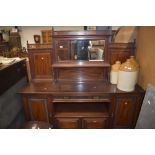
x=87, y=49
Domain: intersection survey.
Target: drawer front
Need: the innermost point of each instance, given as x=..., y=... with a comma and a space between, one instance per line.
x=67, y=123
x=95, y=123
x=124, y=113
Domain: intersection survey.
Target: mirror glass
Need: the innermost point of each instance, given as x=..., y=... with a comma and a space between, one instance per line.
x=92, y=50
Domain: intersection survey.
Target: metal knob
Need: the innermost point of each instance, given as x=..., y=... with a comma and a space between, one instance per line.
x=42, y=58
x=126, y=103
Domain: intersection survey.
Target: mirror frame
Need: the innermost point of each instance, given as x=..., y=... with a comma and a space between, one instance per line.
x=78, y=35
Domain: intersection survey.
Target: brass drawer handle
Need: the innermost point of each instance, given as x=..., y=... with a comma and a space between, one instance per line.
x=61, y=47
x=66, y=97
x=42, y=58
x=94, y=121
x=126, y=103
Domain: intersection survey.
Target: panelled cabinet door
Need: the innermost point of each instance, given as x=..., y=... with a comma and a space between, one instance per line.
x=125, y=111
x=38, y=109
x=95, y=123
x=67, y=123
x=42, y=65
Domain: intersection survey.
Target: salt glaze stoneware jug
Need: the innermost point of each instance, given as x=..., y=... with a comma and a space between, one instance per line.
x=114, y=72
x=127, y=75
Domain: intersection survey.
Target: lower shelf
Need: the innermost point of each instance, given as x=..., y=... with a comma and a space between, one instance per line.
x=82, y=114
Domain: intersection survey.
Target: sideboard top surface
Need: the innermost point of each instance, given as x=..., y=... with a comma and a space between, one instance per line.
x=75, y=88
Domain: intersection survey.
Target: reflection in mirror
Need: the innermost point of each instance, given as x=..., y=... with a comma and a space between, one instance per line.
x=92, y=50
x=96, y=50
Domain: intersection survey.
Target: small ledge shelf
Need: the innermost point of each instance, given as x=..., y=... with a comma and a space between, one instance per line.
x=71, y=64
x=81, y=100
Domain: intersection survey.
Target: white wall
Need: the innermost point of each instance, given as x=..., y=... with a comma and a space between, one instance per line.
x=27, y=32
x=63, y=28
x=126, y=34
x=115, y=27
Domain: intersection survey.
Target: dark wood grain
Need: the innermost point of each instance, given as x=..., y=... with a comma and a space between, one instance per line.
x=120, y=51
x=38, y=108
x=63, y=38
x=67, y=123
x=80, y=94
x=81, y=74
x=95, y=123
x=40, y=63
x=125, y=110
x=84, y=100
x=80, y=33
x=60, y=88
x=80, y=64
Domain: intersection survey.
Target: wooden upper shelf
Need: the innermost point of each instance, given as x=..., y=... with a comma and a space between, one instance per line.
x=70, y=64
x=39, y=46
x=80, y=33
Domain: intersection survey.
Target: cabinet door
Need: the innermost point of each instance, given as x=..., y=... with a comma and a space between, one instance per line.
x=42, y=65
x=125, y=111
x=38, y=109
x=67, y=123
x=95, y=123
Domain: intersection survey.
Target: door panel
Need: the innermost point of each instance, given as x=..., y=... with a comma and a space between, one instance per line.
x=38, y=110
x=95, y=123
x=124, y=114
x=67, y=123
x=42, y=64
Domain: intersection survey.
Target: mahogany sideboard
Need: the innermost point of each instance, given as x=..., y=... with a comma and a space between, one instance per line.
x=69, y=91
x=81, y=105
